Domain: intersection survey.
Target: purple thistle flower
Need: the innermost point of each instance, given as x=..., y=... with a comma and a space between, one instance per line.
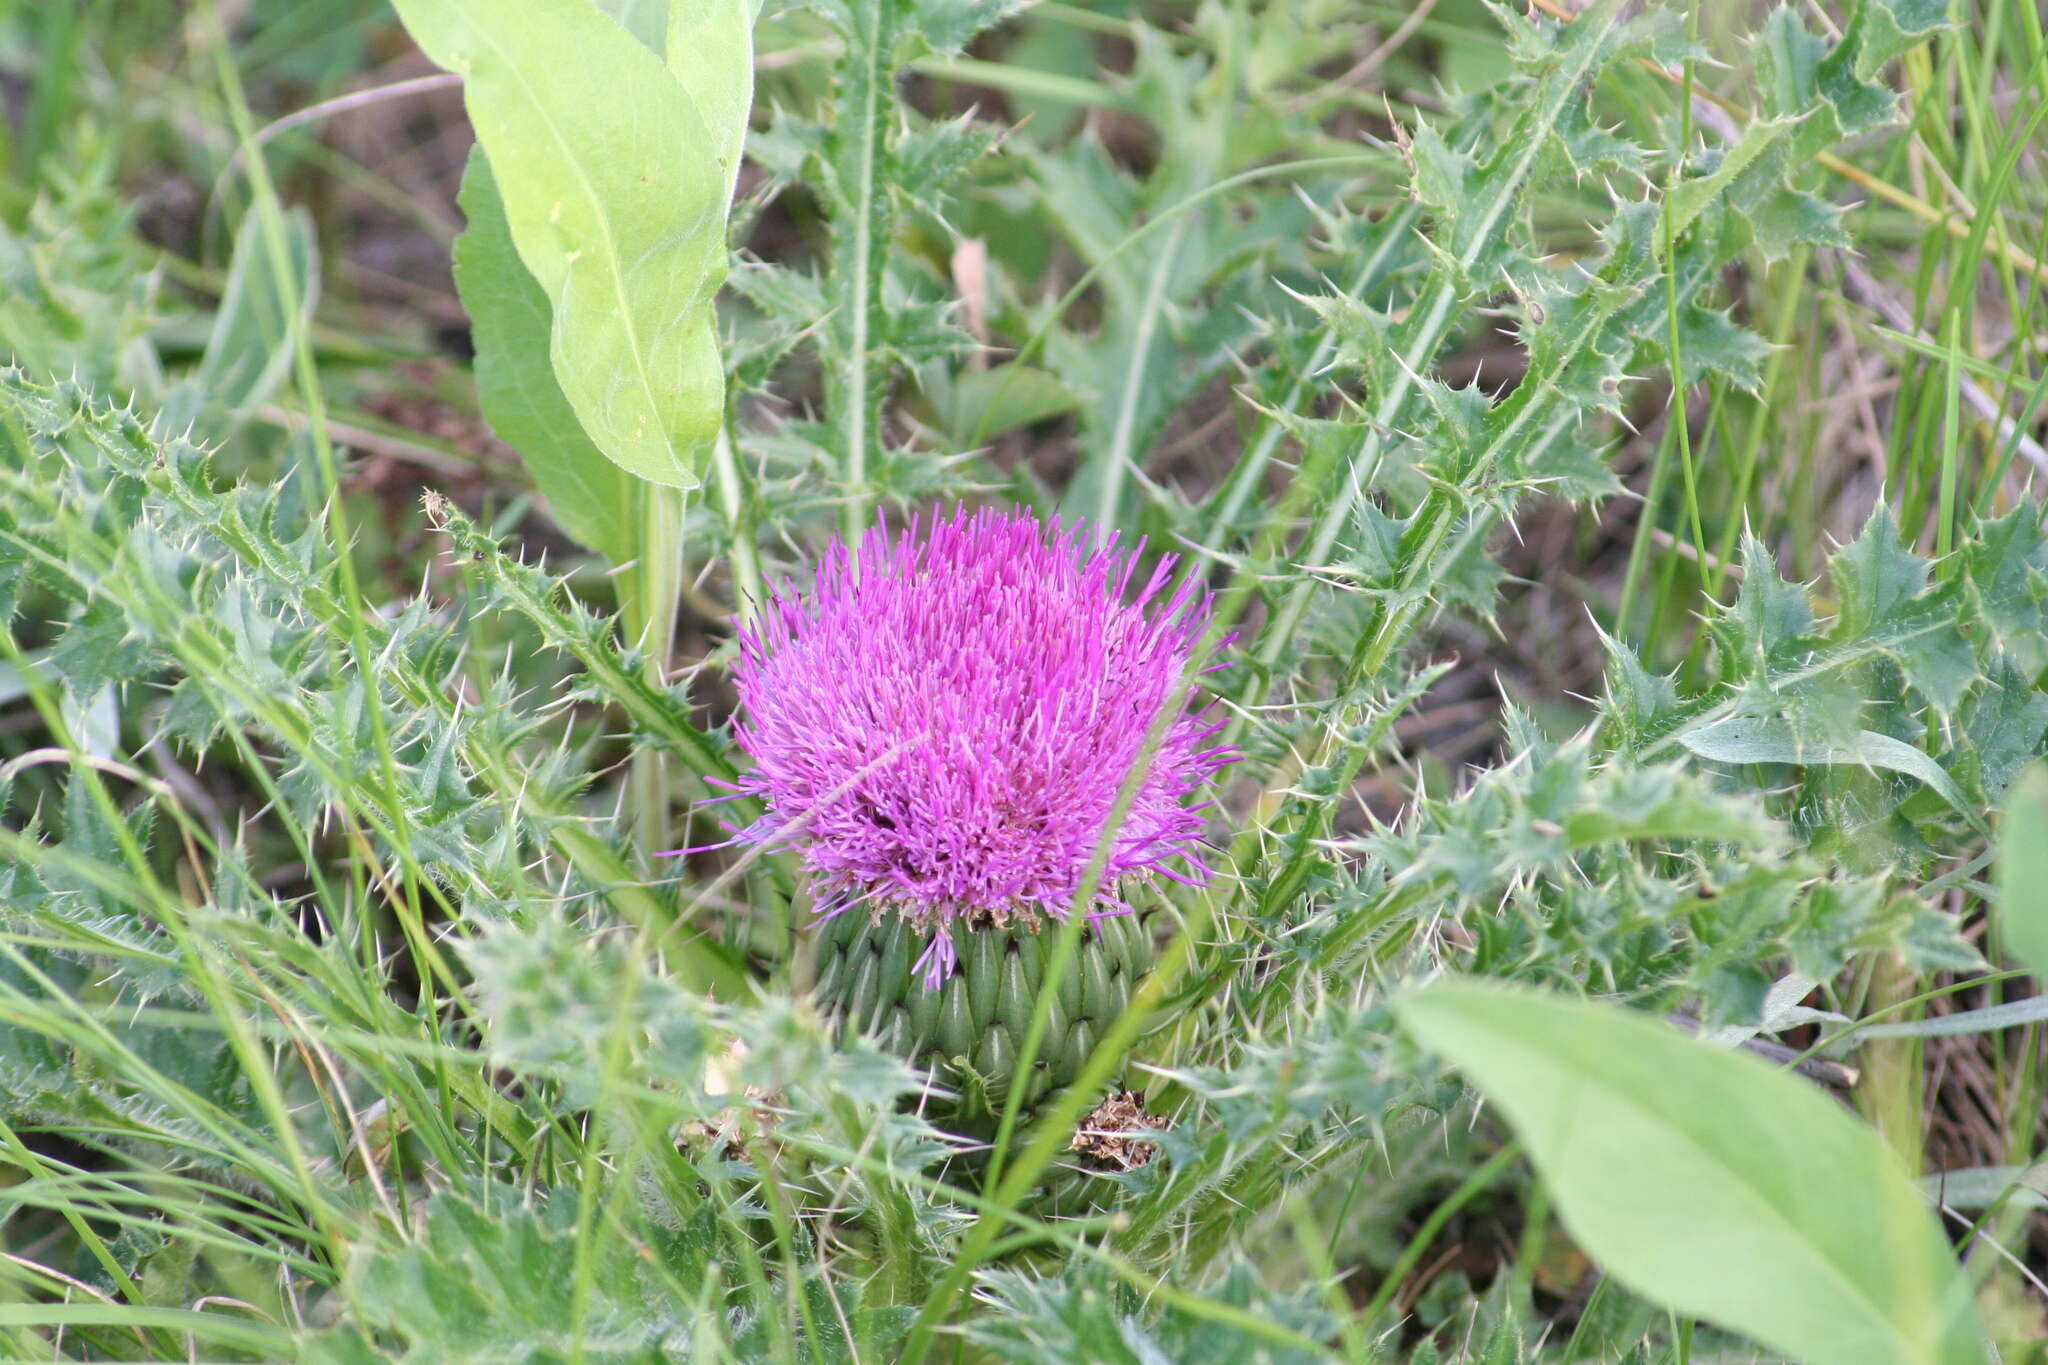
x=942, y=724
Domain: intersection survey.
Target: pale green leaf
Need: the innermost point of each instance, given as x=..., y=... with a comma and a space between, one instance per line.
x=978, y=405
x=249, y=351
x=1767, y=739
x=1710, y=1182
x=1979, y=1187
x=510, y=322
x=1990, y=1019
x=711, y=53
x=2023, y=871
x=616, y=200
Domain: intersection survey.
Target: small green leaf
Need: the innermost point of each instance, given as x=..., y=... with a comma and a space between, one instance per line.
x=1879, y=581
x=1893, y=27
x=1710, y=1182
x=930, y=159
x=1694, y=195
x=1767, y=739
x=1769, y=613
x=249, y=352
x=2023, y=871
x=97, y=649
x=1442, y=176
x=947, y=25
x=979, y=405
x=1636, y=698
x=1787, y=58
x=2005, y=568
x=1781, y=219
x=1711, y=342
x=1875, y=574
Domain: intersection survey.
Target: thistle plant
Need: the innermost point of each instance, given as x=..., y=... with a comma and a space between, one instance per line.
x=938, y=442
x=970, y=731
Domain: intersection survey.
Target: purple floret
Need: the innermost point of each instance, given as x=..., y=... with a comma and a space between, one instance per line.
x=942, y=723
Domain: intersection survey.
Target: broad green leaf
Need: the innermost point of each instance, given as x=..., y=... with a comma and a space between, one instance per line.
x=249, y=352
x=2023, y=871
x=711, y=53
x=613, y=190
x=510, y=321
x=1766, y=739
x=1710, y=1182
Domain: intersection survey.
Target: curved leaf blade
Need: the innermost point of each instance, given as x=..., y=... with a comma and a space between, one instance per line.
x=510, y=323
x=249, y=351
x=616, y=202
x=1767, y=739
x=1710, y=1182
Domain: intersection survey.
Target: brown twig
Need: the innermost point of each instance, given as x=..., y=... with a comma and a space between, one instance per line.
x=1833, y=1074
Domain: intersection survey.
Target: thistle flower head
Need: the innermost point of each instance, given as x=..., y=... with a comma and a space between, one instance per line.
x=943, y=722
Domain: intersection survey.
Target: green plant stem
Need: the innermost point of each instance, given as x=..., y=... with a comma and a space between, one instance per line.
x=650, y=595
x=735, y=504
x=1753, y=442
x=1118, y=459
x=1430, y=324
x=859, y=255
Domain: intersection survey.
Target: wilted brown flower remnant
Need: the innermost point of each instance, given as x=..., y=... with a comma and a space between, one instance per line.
x=1108, y=1138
